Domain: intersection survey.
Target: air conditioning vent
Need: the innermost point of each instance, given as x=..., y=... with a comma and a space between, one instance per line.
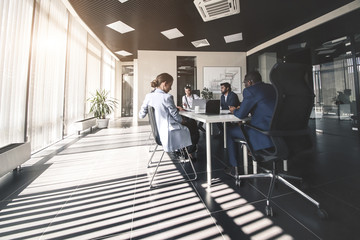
x=214, y=9
x=201, y=43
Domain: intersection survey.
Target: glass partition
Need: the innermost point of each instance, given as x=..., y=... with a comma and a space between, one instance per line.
x=127, y=91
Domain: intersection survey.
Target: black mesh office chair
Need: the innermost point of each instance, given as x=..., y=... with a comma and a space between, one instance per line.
x=197, y=92
x=184, y=152
x=289, y=129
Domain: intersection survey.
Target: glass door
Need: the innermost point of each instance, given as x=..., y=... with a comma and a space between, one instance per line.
x=186, y=75
x=127, y=91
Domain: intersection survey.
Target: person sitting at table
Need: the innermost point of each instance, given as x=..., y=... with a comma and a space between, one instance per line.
x=228, y=98
x=259, y=101
x=188, y=98
x=175, y=132
x=187, y=102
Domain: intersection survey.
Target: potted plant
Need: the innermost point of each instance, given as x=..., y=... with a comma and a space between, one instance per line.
x=102, y=105
x=206, y=93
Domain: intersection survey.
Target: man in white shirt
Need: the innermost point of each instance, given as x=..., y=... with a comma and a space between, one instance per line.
x=187, y=102
x=188, y=98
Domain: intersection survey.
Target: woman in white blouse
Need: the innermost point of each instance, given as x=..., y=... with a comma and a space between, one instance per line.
x=175, y=132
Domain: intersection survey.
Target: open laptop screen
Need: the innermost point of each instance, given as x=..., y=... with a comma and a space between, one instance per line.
x=212, y=107
x=199, y=102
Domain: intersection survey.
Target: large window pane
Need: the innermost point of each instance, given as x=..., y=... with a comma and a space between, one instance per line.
x=75, y=77
x=108, y=74
x=15, y=35
x=93, y=75
x=48, y=73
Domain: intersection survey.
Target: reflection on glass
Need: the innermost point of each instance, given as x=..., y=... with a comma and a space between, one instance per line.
x=127, y=91
x=334, y=81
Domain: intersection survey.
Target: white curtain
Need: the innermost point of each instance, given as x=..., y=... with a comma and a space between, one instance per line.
x=93, y=75
x=66, y=65
x=108, y=74
x=15, y=35
x=75, y=76
x=47, y=73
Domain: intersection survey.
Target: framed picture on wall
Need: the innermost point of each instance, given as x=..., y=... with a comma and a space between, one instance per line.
x=214, y=76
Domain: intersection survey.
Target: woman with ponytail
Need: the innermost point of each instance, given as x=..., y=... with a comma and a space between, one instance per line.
x=175, y=133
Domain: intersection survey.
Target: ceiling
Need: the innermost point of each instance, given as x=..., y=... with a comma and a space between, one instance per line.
x=258, y=21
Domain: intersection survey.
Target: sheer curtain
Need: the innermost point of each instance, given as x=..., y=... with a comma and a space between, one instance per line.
x=75, y=76
x=15, y=35
x=108, y=74
x=66, y=64
x=47, y=73
x=93, y=74
x=108, y=71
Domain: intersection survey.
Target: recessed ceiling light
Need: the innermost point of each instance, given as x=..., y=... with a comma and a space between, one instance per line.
x=172, y=33
x=123, y=53
x=201, y=43
x=120, y=27
x=122, y=1
x=233, y=38
x=339, y=39
x=326, y=51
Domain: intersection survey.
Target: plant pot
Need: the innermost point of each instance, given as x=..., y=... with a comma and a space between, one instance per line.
x=103, y=123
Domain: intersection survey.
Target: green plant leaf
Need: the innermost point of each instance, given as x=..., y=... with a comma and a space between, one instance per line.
x=101, y=104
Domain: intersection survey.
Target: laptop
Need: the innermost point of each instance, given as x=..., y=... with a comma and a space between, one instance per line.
x=199, y=102
x=212, y=107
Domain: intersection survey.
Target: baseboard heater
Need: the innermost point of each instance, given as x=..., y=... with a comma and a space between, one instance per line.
x=84, y=124
x=13, y=155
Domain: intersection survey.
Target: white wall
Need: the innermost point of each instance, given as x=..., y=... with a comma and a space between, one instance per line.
x=152, y=63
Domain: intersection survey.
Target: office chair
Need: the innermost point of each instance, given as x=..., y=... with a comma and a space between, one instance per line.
x=197, y=92
x=184, y=152
x=289, y=129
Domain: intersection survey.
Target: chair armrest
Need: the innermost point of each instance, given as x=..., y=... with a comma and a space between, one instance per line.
x=280, y=133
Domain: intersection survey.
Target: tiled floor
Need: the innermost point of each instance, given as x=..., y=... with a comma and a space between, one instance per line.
x=96, y=186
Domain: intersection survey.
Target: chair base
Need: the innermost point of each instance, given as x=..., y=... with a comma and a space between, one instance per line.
x=281, y=177
x=182, y=162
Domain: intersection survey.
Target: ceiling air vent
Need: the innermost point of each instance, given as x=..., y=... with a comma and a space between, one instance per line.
x=201, y=43
x=214, y=9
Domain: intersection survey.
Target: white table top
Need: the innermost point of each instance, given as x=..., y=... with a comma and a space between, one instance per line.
x=224, y=116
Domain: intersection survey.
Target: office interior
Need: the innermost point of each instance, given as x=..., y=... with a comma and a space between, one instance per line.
x=95, y=185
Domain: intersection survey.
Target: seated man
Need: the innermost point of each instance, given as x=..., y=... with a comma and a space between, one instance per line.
x=228, y=98
x=188, y=98
x=259, y=101
x=187, y=102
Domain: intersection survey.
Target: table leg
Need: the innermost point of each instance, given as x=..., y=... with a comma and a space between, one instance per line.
x=245, y=158
x=208, y=155
x=224, y=134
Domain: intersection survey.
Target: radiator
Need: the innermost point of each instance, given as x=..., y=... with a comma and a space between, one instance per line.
x=13, y=155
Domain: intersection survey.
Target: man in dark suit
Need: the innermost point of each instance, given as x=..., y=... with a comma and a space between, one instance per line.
x=259, y=100
x=228, y=97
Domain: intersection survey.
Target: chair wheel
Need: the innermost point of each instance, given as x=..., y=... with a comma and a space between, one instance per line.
x=322, y=214
x=269, y=211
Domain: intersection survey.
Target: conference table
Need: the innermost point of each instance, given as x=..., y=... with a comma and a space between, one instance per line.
x=224, y=117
